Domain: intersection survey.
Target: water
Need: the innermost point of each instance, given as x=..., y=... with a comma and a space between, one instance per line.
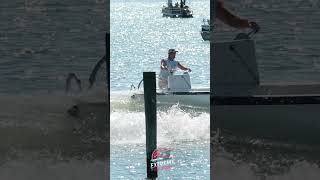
x=287, y=50
x=287, y=47
x=43, y=41
x=40, y=43
x=189, y=147
x=140, y=38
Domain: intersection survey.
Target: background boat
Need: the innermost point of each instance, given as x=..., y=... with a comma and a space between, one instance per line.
x=179, y=9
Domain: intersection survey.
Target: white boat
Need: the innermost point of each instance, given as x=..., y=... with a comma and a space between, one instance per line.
x=177, y=10
x=179, y=91
x=241, y=104
x=205, y=30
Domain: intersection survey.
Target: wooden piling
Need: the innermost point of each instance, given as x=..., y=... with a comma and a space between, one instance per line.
x=151, y=119
x=107, y=60
x=213, y=5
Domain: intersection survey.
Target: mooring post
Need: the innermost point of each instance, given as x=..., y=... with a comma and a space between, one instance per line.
x=213, y=5
x=107, y=60
x=150, y=103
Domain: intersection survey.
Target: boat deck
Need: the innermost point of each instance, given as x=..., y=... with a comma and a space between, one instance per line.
x=270, y=90
x=288, y=89
x=198, y=91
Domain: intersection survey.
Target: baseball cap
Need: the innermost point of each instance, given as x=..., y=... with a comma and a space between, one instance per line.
x=172, y=51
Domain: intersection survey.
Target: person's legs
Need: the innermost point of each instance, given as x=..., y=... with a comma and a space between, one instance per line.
x=163, y=84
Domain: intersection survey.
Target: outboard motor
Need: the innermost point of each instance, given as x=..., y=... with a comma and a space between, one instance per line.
x=179, y=83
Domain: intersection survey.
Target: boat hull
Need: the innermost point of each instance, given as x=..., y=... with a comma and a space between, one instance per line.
x=284, y=119
x=177, y=12
x=189, y=98
x=205, y=35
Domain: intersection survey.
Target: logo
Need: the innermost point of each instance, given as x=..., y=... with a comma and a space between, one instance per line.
x=161, y=159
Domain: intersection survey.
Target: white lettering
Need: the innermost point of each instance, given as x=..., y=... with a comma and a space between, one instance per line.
x=153, y=165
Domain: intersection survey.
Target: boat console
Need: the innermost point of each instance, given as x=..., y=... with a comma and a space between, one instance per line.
x=179, y=83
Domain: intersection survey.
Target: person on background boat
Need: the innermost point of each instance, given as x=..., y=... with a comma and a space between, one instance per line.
x=169, y=66
x=232, y=20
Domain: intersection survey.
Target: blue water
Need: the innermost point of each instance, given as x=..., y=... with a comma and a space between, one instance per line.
x=175, y=130
x=140, y=38
x=42, y=42
x=188, y=164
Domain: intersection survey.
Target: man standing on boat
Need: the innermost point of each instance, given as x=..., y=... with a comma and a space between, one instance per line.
x=232, y=20
x=169, y=66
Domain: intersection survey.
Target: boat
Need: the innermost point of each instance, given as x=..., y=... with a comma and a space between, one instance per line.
x=179, y=91
x=242, y=105
x=178, y=10
x=205, y=30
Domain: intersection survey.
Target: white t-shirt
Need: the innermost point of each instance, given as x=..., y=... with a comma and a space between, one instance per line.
x=172, y=66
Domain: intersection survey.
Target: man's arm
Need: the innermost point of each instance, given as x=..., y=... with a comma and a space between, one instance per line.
x=163, y=65
x=232, y=20
x=183, y=68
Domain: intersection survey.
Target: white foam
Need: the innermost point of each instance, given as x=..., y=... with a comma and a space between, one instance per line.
x=45, y=112
x=173, y=124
